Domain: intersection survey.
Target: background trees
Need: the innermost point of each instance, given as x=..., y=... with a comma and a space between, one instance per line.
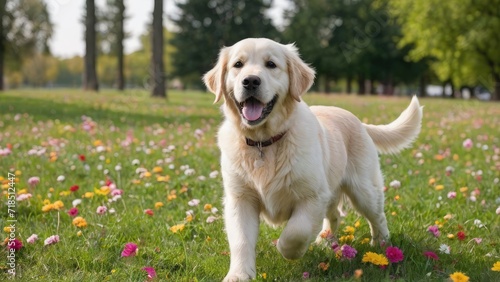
x=90, y=75
x=157, y=65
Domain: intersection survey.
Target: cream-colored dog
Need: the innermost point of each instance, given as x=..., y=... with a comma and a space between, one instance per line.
x=289, y=163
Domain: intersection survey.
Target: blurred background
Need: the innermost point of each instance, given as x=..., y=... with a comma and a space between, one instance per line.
x=369, y=47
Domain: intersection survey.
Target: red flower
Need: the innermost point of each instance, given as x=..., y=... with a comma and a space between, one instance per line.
x=74, y=188
x=149, y=212
x=73, y=212
x=394, y=254
x=130, y=249
x=431, y=255
x=461, y=235
x=15, y=244
x=82, y=158
x=108, y=182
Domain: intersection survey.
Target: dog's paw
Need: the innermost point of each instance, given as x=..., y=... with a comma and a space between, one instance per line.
x=237, y=277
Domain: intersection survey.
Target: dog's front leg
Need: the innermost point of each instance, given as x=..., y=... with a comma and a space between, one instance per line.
x=242, y=226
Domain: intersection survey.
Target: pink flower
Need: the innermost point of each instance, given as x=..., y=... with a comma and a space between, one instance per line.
x=452, y=195
x=394, y=254
x=348, y=252
x=434, y=229
x=467, y=143
x=431, y=255
x=33, y=181
x=23, y=197
x=305, y=275
x=194, y=202
x=478, y=240
x=32, y=239
x=130, y=249
x=101, y=210
x=51, y=240
x=116, y=192
x=151, y=272
x=73, y=212
x=211, y=219
x=15, y=244
x=149, y=212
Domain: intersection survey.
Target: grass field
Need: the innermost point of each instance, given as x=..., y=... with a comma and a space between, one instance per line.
x=146, y=172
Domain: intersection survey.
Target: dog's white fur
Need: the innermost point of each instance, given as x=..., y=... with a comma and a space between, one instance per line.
x=325, y=153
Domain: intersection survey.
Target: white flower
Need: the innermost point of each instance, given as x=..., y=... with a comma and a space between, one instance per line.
x=100, y=149
x=498, y=210
x=211, y=219
x=214, y=174
x=478, y=223
x=135, y=162
x=194, y=202
x=395, y=184
x=112, y=210
x=198, y=133
x=214, y=210
x=189, y=172
x=61, y=178
x=202, y=178
x=445, y=249
x=76, y=202
x=118, y=167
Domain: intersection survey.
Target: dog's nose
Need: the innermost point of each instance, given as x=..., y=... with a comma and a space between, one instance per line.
x=251, y=82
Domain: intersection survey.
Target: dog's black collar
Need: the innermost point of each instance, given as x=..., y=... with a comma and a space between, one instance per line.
x=261, y=144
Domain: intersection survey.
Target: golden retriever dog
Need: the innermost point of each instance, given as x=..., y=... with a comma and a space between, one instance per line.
x=291, y=164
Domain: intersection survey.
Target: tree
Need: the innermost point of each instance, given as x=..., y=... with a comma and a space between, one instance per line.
x=206, y=26
x=25, y=29
x=460, y=36
x=40, y=70
x=113, y=35
x=157, y=66
x=90, y=76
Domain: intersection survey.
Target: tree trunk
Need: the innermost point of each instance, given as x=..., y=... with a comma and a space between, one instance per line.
x=495, y=96
x=327, y=85
x=349, y=85
x=90, y=75
x=157, y=67
x=422, y=86
x=2, y=41
x=361, y=85
x=373, y=89
x=120, y=80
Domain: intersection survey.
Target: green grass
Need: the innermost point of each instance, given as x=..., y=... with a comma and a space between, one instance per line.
x=52, y=120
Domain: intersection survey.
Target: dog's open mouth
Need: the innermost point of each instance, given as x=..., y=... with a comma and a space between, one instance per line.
x=254, y=111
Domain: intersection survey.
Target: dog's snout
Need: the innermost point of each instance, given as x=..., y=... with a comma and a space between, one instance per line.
x=251, y=82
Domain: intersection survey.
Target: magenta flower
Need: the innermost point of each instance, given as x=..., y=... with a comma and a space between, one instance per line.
x=130, y=249
x=434, y=229
x=32, y=239
x=151, y=272
x=348, y=252
x=15, y=244
x=305, y=275
x=33, y=181
x=73, y=212
x=51, y=240
x=431, y=255
x=394, y=254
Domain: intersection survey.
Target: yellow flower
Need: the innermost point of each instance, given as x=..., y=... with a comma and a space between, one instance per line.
x=375, y=258
x=264, y=276
x=79, y=222
x=439, y=187
x=438, y=157
x=58, y=205
x=51, y=190
x=46, y=201
x=459, y=277
x=7, y=229
x=358, y=273
x=456, y=157
x=207, y=207
x=157, y=169
x=108, y=161
x=88, y=195
x=450, y=236
x=357, y=224
x=147, y=174
x=103, y=191
x=136, y=181
x=165, y=178
x=365, y=241
x=393, y=213
x=65, y=193
x=464, y=189
x=349, y=230
x=171, y=197
x=448, y=216
x=496, y=266
x=177, y=228
x=432, y=181
x=79, y=233
x=17, y=173
x=158, y=205
x=22, y=191
x=346, y=239
x=184, y=189
x=97, y=143
x=189, y=218
x=48, y=207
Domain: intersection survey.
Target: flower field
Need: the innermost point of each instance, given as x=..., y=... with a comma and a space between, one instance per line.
x=121, y=187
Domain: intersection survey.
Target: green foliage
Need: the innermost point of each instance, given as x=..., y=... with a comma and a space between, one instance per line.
x=206, y=26
x=129, y=125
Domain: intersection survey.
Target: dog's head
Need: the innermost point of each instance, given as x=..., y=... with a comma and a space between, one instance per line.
x=255, y=76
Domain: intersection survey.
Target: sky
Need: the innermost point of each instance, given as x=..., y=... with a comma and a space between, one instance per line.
x=68, y=37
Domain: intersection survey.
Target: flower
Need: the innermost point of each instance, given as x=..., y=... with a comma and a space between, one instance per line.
x=452, y=195
x=32, y=239
x=158, y=205
x=211, y=219
x=434, y=229
x=394, y=254
x=73, y=212
x=375, y=258
x=51, y=240
x=101, y=209
x=79, y=222
x=33, y=181
x=431, y=255
x=23, y=197
x=459, y=277
x=177, y=228
x=323, y=266
x=58, y=205
x=76, y=202
x=477, y=240
x=15, y=244
x=74, y=188
x=358, y=273
x=349, y=230
x=496, y=266
x=149, y=212
x=461, y=235
x=194, y=202
x=305, y=275
x=395, y=184
x=498, y=210
x=130, y=249
x=61, y=178
x=467, y=143
x=82, y=158
x=445, y=249
x=151, y=271
x=348, y=252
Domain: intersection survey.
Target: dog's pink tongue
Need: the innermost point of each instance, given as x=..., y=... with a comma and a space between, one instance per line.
x=252, y=110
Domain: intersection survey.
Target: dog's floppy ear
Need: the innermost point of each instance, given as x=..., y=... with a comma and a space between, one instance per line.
x=215, y=79
x=300, y=75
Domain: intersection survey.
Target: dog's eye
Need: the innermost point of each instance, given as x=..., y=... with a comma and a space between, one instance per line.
x=238, y=64
x=270, y=64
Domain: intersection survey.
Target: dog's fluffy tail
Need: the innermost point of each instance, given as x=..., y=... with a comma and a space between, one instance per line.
x=399, y=134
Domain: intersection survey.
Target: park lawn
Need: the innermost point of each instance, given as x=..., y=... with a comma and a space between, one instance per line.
x=163, y=157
